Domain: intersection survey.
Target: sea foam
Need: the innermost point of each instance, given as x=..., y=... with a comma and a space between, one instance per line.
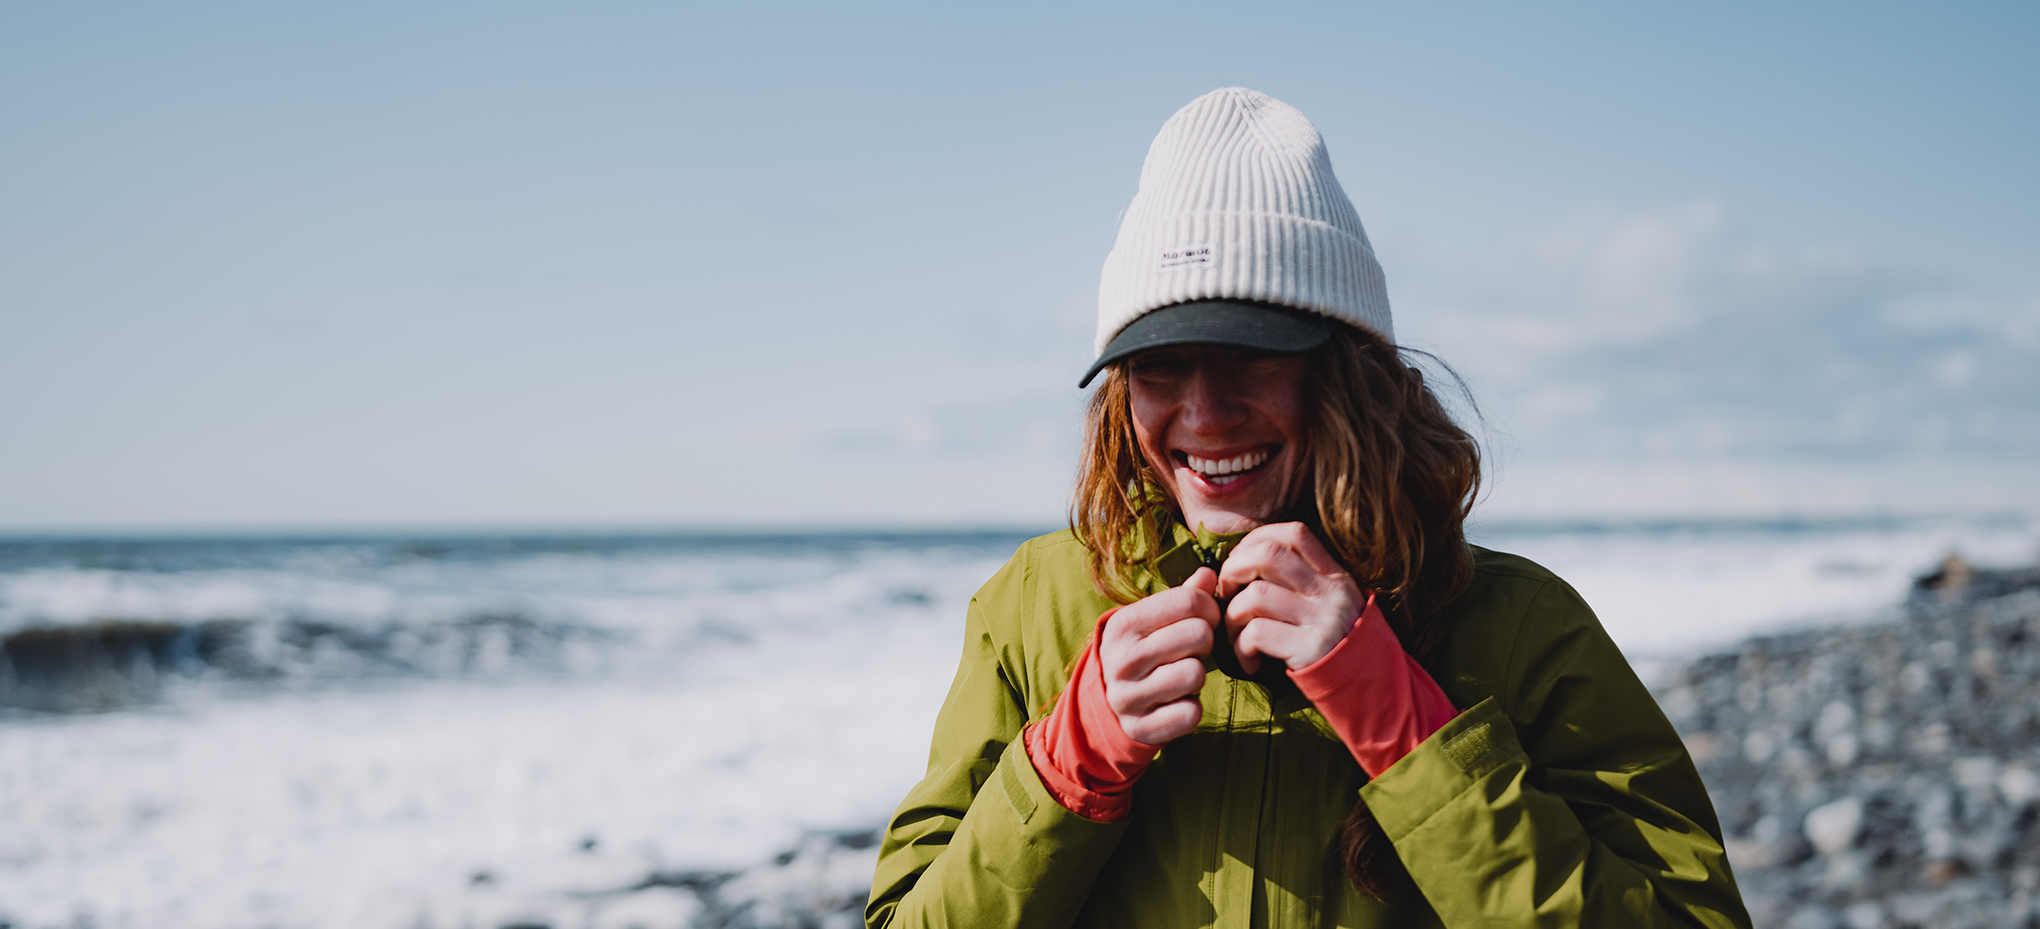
x=607, y=732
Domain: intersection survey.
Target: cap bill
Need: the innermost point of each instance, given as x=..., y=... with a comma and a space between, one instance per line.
x=1238, y=323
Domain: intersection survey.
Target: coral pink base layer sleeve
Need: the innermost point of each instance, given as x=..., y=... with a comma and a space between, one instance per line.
x=1377, y=698
x=1087, y=762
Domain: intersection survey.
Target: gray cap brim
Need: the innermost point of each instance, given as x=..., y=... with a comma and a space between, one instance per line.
x=1239, y=323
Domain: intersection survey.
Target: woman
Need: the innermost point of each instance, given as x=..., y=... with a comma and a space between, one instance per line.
x=1263, y=680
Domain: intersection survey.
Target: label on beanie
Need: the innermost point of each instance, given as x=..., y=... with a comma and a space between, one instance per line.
x=1184, y=256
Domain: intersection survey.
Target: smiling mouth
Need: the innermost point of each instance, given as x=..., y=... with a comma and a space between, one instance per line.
x=1222, y=471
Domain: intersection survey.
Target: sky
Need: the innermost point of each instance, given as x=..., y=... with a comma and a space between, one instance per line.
x=269, y=267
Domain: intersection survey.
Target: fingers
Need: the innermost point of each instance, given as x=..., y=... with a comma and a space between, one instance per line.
x=1267, y=601
x=1165, y=723
x=1164, y=627
x=1167, y=683
x=1148, y=651
x=1294, y=628
x=1272, y=608
x=1136, y=659
x=1264, y=562
x=1280, y=641
x=1143, y=617
x=1284, y=553
x=1163, y=706
x=1298, y=538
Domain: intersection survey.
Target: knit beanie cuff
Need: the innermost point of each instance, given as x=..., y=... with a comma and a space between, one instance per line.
x=1268, y=257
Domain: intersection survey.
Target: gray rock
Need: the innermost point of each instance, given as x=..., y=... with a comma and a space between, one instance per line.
x=1882, y=775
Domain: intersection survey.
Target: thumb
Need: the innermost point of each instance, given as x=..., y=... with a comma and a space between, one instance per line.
x=1205, y=581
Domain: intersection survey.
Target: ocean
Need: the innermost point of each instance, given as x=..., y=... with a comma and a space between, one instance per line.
x=558, y=730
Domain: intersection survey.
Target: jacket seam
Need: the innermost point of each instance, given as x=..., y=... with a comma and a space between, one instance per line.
x=1512, y=680
x=1023, y=676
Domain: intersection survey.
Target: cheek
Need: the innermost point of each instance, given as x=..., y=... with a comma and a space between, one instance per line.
x=1151, y=449
x=1291, y=408
x=1146, y=409
x=1290, y=421
x=1150, y=426
x=1287, y=412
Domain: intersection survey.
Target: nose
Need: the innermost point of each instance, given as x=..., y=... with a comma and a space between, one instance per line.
x=1212, y=402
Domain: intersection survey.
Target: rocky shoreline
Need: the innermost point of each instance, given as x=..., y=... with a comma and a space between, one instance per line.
x=1881, y=775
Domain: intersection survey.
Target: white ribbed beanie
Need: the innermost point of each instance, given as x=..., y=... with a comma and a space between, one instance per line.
x=1237, y=201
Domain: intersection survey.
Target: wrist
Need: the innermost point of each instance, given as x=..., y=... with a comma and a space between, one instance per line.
x=1329, y=642
x=1375, y=696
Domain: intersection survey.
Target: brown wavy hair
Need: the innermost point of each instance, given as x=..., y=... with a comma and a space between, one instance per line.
x=1392, y=480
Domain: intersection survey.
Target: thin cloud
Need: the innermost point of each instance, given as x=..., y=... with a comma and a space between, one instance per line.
x=1676, y=332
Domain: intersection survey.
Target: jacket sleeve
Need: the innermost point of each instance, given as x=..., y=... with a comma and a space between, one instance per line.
x=1565, y=800
x=980, y=842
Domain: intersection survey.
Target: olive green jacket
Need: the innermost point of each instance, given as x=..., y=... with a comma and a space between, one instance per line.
x=1560, y=796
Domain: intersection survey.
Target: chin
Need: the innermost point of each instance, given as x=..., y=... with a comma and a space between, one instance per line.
x=1231, y=517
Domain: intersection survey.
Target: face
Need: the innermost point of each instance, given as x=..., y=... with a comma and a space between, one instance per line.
x=1224, y=429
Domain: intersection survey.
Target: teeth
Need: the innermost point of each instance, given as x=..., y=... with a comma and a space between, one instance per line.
x=1227, y=470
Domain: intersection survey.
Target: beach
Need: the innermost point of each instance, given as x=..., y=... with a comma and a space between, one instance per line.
x=657, y=730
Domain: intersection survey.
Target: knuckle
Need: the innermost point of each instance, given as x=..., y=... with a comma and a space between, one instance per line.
x=1186, y=677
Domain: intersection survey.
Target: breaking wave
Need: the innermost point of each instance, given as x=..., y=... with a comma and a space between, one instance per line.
x=94, y=625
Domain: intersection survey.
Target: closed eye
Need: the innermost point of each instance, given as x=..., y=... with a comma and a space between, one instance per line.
x=1158, y=364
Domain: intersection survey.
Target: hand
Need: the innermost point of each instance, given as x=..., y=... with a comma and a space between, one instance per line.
x=1149, y=651
x=1291, y=601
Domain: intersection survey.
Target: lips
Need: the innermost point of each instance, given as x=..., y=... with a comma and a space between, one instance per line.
x=1222, y=471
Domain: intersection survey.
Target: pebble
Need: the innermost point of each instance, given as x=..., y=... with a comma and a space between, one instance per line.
x=1877, y=776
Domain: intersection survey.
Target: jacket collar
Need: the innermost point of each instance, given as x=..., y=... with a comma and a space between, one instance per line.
x=1187, y=551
